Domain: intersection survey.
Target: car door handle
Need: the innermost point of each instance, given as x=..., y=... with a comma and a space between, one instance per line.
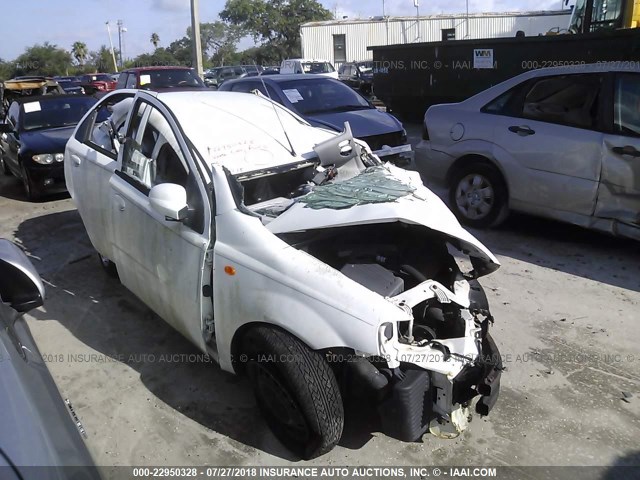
x=629, y=150
x=522, y=131
x=76, y=160
x=118, y=201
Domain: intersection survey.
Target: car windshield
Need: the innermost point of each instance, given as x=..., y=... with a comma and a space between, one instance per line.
x=317, y=67
x=98, y=78
x=167, y=78
x=322, y=95
x=55, y=112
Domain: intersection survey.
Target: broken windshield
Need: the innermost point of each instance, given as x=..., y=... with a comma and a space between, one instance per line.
x=373, y=185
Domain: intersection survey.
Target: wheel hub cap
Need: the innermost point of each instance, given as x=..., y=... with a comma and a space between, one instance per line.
x=475, y=196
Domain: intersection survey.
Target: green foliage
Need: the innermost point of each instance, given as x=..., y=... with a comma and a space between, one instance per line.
x=155, y=39
x=101, y=61
x=46, y=59
x=275, y=22
x=79, y=52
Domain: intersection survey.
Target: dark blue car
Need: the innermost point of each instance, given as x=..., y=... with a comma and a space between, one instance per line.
x=33, y=138
x=328, y=103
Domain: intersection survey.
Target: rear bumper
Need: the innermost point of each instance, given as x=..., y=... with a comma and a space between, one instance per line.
x=432, y=165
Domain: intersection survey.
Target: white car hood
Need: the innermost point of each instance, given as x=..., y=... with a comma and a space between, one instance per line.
x=422, y=207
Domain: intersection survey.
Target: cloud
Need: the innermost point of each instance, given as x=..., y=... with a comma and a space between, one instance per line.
x=171, y=5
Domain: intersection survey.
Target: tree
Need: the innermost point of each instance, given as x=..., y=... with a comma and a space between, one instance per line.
x=79, y=52
x=155, y=39
x=101, y=60
x=218, y=40
x=275, y=22
x=45, y=59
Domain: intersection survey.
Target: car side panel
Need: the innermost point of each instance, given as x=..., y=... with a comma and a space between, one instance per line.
x=558, y=167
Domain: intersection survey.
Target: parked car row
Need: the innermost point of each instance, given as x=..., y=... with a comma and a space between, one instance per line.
x=327, y=103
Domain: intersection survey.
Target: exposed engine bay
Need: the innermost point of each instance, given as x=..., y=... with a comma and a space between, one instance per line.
x=446, y=338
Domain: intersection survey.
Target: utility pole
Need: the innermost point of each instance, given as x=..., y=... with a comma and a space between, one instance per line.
x=195, y=31
x=120, y=42
x=416, y=3
x=467, y=22
x=113, y=55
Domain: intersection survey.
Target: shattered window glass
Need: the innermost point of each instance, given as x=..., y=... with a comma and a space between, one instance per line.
x=373, y=185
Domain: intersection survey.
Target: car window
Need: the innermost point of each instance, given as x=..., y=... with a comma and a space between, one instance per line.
x=101, y=129
x=122, y=80
x=152, y=154
x=626, y=107
x=243, y=87
x=321, y=94
x=131, y=81
x=317, y=67
x=55, y=111
x=567, y=99
x=12, y=115
x=501, y=104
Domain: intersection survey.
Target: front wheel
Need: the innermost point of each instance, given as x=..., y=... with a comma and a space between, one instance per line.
x=29, y=189
x=478, y=195
x=296, y=391
x=3, y=167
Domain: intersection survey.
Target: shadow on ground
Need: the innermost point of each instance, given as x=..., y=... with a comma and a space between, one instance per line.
x=107, y=318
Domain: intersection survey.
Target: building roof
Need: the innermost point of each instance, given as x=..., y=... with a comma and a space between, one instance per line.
x=345, y=21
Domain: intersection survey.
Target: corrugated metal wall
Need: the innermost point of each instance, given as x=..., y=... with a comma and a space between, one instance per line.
x=317, y=39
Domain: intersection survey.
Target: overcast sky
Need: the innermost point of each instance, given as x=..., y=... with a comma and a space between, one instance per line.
x=63, y=22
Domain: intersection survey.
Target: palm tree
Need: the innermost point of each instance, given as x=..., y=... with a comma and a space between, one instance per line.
x=155, y=39
x=79, y=52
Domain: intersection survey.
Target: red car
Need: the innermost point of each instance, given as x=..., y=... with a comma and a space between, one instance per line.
x=97, y=82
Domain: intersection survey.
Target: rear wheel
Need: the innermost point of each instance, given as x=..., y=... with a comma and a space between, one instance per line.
x=296, y=391
x=478, y=195
x=108, y=266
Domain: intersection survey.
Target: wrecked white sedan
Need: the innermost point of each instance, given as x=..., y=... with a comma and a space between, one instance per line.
x=292, y=255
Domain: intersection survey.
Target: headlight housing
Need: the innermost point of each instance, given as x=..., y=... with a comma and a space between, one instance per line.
x=48, y=158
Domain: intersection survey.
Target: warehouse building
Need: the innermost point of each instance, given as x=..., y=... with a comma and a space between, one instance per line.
x=347, y=40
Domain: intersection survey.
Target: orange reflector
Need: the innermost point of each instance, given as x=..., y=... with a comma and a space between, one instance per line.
x=229, y=270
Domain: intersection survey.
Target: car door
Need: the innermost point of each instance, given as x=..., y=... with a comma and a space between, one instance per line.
x=161, y=261
x=619, y=189
x=548, y=139
x=10, y=141
x=91, y=158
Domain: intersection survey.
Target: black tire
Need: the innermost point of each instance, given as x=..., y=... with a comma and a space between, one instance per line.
x=29, y=189
x=108, y=266
x=478, y=195
x=296, y=391
x=3, y=167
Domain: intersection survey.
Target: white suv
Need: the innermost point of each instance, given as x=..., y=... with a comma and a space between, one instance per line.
x=308, y=66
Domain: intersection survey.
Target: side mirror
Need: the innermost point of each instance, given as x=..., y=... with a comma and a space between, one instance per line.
x=20, y=285
x=6, y=128
x=170, y=200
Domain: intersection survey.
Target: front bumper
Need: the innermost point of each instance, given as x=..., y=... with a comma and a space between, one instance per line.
x=421, y=400
x=48, y=178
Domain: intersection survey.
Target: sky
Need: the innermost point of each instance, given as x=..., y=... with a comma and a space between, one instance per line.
x=62, y=22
